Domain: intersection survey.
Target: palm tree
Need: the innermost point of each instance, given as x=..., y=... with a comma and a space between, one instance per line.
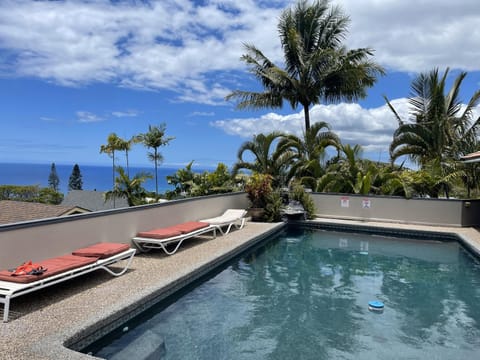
x=317, y=66
x=182, y=180
x=113, y=144
x=439, y=130
x=350, y=173
x=131, y=189
x=309, y=152
x=126, y=145
x=154, y=138
x=344, y=173
x=265, y=159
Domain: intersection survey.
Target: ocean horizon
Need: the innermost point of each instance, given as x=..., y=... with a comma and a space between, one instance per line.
x=94, y=177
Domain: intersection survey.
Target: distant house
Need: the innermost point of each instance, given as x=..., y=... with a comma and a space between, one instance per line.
x=92, y=200
x=18, y=211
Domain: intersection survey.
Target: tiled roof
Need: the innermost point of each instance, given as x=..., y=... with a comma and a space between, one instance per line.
x=17, y=211
x=92, y=200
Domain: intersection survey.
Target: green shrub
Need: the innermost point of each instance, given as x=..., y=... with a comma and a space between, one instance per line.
x=273, y=207
x=298, y=193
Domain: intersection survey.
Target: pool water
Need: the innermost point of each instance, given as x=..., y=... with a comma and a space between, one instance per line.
x=305, y=295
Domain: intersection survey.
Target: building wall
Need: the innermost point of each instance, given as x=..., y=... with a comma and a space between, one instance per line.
x=41, y=239
x=446, y=212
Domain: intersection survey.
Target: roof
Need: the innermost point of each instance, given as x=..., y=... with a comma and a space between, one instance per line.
x=17, y=211
x=472, y=157
x=92, y=200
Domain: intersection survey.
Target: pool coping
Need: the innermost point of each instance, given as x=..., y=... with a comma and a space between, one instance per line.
x=469, y=237
x=66, y=317
x=75, y=313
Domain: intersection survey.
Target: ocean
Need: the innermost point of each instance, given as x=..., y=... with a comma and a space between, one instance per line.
x=97, y=178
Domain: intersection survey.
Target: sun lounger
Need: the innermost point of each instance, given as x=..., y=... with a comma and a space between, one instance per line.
x=160, y=238
x=63, y=268
x=230, y=218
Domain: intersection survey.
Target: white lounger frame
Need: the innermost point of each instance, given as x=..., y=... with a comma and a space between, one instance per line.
x=237, y=220
x=238, y=224
x=145, y=244
x=10, y=290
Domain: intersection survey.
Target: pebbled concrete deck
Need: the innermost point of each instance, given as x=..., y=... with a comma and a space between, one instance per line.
x=42, y=322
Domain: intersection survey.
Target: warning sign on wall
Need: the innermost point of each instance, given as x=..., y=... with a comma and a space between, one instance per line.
x=366, y=204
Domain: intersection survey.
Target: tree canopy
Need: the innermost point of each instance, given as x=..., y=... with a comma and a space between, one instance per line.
x=317, y=67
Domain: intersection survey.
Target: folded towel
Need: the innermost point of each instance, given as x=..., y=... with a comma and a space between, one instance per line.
x=29, y=268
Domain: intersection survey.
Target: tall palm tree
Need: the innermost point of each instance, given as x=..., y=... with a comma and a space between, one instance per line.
x=309, y=152
x=125, y=145
x=154, y=138
x=317, y=66
x=113, y=144
x=439, y=129
x=266, y=160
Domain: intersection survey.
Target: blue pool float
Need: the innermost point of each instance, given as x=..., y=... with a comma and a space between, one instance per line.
x=375, y=305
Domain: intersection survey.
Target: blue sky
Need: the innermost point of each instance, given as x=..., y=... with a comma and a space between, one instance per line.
x=71, y=72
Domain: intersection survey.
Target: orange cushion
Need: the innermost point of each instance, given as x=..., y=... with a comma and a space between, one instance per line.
x=54, y=266
x=160, y=233
x=102, y=250
x=190, y=226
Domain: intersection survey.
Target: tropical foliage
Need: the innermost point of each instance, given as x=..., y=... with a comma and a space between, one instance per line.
x=112, y=145
x=30, y=193
x=298, y=193
x=129, y=188
x=308, y=154
x=187, y=183
x=264, y=157
x=439, y=129
x=318, y=68
x=154, y=139
x=259, y=188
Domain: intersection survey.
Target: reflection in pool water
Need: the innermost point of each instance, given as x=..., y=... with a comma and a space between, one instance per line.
x=305, y=295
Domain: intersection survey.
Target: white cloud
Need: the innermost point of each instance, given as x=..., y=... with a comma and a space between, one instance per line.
x=194, y=49
x=169, y=44
x=416, y=36
x=371, y=128
x=128, y=113
x=88, y=117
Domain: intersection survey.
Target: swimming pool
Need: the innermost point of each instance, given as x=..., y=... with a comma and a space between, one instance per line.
x=305, y=293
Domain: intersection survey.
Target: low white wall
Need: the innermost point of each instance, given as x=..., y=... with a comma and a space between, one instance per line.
x=446, y=212
x=37, y=240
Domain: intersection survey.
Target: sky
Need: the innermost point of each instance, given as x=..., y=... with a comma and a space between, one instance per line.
x=72, y=72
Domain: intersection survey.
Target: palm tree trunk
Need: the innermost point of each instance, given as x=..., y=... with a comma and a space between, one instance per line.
x=306, y=112
x=156, y=173
x=113, y=176
x=128, y=167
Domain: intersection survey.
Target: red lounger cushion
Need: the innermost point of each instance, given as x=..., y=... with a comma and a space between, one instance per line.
x=164, y=233
x=190, y=226
x=102, y=250
x=54, y=266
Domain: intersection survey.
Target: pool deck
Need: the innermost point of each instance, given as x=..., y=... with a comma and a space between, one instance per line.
x=42, y=322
